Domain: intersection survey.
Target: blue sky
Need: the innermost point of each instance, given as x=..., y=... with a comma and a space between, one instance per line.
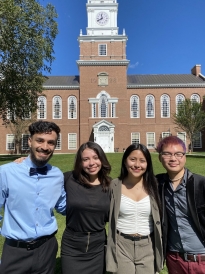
x=164, y=36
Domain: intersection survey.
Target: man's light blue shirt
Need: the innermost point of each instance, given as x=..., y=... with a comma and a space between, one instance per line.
x=29, y=201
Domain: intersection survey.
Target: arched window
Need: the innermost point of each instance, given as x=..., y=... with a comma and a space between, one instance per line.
x=195, y=98
x=72, y=107
x=165, y=106
x=149, y=106
x=179, y=99
x=134, y=107
x=103, y=128
x=57, y=107
x=103, y=106
x=41, y=112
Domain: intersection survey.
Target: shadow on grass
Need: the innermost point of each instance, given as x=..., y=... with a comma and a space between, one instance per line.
x=10, y=158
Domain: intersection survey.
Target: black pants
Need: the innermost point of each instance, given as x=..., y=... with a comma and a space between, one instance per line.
x=83, y=253
x=22, y=261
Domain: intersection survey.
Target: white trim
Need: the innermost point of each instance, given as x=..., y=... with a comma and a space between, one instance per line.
x=75, y=107
x=148, y=146
x=44, y=101
x=75, y=141
x=10, y=136
x=146, y=102
x=138, y=109
x=137, y=133
x=57, y=97
x=168, y=105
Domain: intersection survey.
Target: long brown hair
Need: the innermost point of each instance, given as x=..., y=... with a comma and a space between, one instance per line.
x=104, y=172
x=149, y=180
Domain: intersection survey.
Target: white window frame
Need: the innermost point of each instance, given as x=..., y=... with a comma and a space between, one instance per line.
x=10, y=140
x=24, y=136
x=195, y=98
x=182, y=136
x=132, y=98
x=59, y=142
x=148, y=138
x=102, y=49
x=181, y=98
x=9, y=115
x=113, y=110
x=167, y=98
x=94, y=110
x=166, y=134
x=55, y=98
x=135, y=136
x=70, y=100
x=200, y=141
x=103, y=96
x=110, y=105
x=146, y=106
x=44, y=110
x=70, y=141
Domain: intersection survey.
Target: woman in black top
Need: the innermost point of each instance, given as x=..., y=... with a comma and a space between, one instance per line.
x=88, y=202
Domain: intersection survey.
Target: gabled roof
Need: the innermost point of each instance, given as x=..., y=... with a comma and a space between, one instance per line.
x=165, y=80
x=103, y=123
x=133, y=81
x=62, y=82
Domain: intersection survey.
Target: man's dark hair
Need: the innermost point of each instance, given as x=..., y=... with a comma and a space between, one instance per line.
x=43, y=127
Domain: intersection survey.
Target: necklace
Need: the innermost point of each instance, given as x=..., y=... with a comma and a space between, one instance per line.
x=174, y=180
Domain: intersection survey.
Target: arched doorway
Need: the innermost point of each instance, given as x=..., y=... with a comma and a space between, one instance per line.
x=104, y=135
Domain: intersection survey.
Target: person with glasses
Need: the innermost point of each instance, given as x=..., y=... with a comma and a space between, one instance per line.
x=183, y=210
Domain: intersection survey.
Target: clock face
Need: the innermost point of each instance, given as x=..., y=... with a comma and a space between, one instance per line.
x=102, y=18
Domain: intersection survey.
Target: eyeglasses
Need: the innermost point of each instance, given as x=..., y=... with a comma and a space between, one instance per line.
x=168, y=155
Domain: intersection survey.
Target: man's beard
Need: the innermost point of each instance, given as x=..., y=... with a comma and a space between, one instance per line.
x=38, y=162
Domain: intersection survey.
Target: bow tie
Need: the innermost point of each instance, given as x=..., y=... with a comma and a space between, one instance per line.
x=38, y=170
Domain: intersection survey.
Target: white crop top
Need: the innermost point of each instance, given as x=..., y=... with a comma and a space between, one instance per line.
x=135, y=217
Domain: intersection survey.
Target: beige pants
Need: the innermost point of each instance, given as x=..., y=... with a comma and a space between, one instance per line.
x=135, y=257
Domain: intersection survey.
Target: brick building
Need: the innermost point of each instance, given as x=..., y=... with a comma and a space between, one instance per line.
x=104, y=104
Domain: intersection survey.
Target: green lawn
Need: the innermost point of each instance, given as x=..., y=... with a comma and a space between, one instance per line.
x=65, y=163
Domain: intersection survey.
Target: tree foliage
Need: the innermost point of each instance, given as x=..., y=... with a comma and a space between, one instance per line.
x=27, y=34
x=190, y=117
x=19, y=127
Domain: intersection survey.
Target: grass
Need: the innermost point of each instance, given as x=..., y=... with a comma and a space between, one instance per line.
x=65, y=162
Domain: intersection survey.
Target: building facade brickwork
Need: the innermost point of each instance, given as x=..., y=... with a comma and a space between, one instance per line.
x=104, y=104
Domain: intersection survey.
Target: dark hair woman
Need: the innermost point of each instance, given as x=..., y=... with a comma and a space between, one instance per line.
x=134, y=237
x=88, y=203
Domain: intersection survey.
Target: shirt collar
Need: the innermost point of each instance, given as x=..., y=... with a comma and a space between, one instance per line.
x=183, y=182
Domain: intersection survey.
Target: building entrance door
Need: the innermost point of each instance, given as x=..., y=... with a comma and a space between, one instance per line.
x=103, y=141
x=104, y=135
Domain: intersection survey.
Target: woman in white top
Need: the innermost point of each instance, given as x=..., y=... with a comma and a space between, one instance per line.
x=134, y=236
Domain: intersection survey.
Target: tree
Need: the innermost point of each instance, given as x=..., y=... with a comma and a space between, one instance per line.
x=190, y=117
x=20, y=127
x=27, y=34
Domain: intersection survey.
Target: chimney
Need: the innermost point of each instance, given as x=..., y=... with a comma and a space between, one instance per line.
x=196, y=70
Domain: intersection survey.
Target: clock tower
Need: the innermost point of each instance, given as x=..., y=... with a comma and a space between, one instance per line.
x=103, y=75
x=102, y=17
